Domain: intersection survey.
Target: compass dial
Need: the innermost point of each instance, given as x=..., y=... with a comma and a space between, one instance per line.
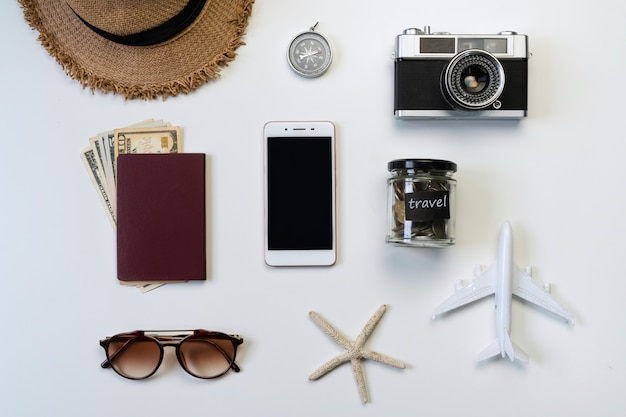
x=309, y=54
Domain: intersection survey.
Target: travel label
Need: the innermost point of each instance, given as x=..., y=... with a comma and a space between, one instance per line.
x=425, y=206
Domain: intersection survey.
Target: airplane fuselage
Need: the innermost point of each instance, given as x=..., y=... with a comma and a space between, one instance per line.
x=504, y=286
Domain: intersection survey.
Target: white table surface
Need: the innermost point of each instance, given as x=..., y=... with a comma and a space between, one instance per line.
x=557, y=176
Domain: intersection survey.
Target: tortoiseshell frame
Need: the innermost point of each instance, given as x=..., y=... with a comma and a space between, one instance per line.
x=174, y=338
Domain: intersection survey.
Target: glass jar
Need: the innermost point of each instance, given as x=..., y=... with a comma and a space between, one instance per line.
x=421, y=202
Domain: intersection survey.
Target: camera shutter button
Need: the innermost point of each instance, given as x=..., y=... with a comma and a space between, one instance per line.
x=507, y=32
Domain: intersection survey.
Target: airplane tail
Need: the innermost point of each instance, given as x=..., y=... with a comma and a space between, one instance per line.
x=492, y=350
x=510, y=349
x=513, y=351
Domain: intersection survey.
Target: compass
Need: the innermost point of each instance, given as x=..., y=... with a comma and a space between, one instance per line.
x=310, y=54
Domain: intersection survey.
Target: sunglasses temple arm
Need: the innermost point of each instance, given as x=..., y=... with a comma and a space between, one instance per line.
x=106, y=363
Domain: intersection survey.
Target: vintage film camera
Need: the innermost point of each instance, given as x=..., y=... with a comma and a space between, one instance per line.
x=445, y=76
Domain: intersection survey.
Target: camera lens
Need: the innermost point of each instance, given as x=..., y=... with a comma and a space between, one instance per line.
x=473, y=80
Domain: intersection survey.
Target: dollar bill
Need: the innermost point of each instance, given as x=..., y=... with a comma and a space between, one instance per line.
x=149, y=287
x=97, y=146
x=148, y=140
x=97, y=178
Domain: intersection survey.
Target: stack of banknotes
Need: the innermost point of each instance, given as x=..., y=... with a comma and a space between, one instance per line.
x=148, y=136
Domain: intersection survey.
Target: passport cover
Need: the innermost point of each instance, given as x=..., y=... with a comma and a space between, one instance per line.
x=161, y=217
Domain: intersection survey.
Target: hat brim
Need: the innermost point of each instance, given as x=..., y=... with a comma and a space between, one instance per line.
x=177, y=66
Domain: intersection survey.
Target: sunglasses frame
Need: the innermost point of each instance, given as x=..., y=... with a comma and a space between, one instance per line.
x=172, y=338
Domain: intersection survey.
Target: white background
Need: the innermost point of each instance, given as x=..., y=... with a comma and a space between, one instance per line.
x=557, y=176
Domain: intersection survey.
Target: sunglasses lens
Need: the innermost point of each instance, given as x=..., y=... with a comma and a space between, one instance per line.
x=134, y=357
x=205, y=357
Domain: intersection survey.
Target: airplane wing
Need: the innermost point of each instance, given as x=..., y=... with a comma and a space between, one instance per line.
x=481, y=287
x=524, y=287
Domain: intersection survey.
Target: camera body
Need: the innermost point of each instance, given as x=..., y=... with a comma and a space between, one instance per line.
x=446, y=76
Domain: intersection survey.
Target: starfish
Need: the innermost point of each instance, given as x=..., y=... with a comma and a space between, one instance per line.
x=354, y=350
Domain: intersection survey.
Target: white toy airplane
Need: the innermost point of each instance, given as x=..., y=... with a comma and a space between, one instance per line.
x=504, y=279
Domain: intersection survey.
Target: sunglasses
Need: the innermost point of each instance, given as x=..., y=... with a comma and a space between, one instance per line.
x=202, y=353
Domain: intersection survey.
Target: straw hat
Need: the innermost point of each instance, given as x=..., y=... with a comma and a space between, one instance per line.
x=140, y=48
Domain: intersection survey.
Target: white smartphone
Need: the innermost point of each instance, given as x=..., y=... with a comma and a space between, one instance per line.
x=299, y=176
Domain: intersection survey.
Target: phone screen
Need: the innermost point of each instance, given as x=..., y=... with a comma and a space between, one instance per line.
x=300, y=193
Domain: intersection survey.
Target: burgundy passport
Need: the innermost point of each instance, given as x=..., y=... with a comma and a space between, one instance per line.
x=161, y=217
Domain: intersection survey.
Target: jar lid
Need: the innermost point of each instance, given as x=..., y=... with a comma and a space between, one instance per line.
x=422, y=165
